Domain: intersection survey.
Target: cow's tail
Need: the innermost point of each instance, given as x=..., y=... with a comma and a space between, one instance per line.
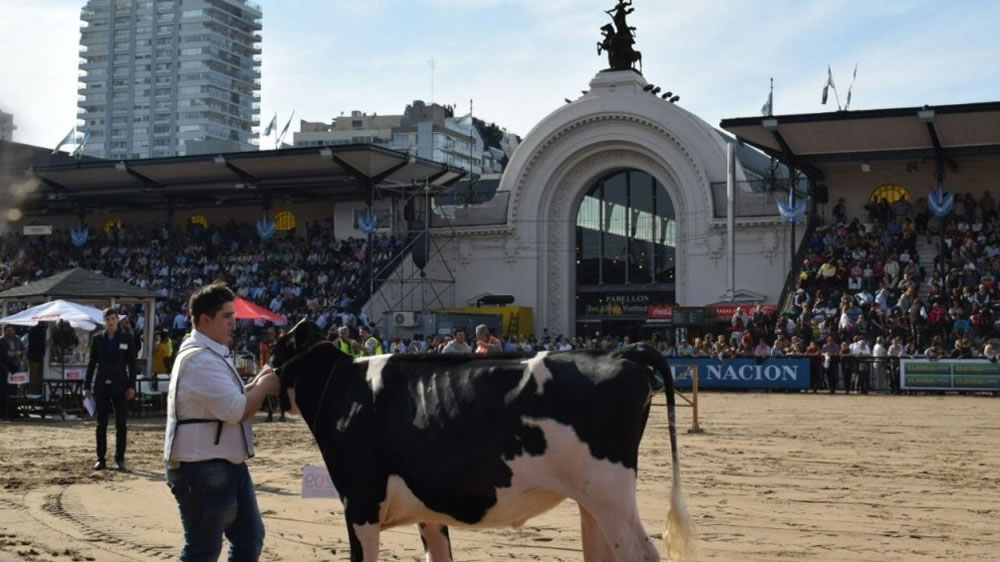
x=679, y=535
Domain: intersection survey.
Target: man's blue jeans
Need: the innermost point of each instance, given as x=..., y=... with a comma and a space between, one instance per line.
x=217, y=498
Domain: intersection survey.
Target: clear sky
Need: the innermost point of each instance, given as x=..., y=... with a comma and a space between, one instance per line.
x=518, y=59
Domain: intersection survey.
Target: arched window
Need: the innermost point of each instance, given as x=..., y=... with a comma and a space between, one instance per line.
x=114, y=223
x=284, y=221
x=200, y=220
x=626, y=232
x=890, y=192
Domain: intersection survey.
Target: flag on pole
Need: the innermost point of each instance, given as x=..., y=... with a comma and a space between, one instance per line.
x=851, y=88
x=66, y=140
x=828, y=85
x=766, y=109
x=285, y=128
x=83, y=142
x=272, y=125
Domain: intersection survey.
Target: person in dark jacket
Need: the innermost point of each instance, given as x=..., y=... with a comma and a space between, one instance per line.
x=113, y=359
x=8, y=393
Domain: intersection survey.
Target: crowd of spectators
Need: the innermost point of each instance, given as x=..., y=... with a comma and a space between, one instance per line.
x=307, y=274
x=864, y=279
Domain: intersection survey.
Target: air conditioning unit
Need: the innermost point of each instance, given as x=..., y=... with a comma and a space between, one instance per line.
x=405, y=319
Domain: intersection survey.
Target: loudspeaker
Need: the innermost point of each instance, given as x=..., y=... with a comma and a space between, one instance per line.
x=421, y=244
x=821, y=194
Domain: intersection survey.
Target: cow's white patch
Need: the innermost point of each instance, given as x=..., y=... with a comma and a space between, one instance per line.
x=536, y=370
x=368, y=537
x=539, y=483
x=373, y=372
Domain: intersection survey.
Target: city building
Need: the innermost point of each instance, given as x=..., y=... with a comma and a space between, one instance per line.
x=427, y=131
x=7, y=126
x=169, y=77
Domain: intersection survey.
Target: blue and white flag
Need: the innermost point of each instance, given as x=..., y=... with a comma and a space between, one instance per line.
x=940, y=202
x=829, y=84
x=766, y=109
x=851, y=88
x=70, y=137
x=83, y=142
x=285, y=129
x=272, y=125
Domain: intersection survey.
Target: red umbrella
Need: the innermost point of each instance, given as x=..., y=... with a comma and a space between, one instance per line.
x=246, y=310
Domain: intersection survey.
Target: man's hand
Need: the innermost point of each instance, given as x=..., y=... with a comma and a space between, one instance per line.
x=86, y=394
x=270, y=382
x=253, y=382
x=130, y=394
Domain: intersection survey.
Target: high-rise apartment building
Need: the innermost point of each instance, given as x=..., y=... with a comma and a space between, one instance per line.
x=169, y=77
x=7, y=126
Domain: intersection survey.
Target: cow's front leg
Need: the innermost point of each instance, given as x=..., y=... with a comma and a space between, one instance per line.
x=437, y=542
x=363, y=538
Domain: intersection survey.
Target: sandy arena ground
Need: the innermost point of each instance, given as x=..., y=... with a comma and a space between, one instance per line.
x=775, y=477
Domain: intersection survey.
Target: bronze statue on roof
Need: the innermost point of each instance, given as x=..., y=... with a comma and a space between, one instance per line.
x=619, y=39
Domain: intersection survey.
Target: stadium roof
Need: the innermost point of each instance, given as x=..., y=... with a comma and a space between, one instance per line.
x=78, y=283
x=810, y=141
x=329, y=173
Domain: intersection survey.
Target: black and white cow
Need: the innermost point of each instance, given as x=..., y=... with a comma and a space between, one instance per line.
x=483, y=441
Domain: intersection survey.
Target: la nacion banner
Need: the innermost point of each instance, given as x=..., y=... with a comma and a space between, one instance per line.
x=947, y=374
x=748, y=373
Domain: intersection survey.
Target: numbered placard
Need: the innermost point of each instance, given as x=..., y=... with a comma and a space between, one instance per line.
x=316, y=483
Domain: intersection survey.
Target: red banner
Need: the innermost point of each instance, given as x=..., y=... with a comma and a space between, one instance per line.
x=660, y=312
x=726, y=311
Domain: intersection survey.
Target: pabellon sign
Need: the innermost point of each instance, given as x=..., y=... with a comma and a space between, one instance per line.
x=741, y=373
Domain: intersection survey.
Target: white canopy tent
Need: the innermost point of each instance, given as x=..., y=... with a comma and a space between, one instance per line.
x=78, y=315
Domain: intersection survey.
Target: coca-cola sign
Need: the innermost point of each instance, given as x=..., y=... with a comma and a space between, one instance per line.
x=660, y=312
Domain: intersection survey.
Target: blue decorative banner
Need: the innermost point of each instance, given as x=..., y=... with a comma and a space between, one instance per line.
x=79, y=236
x=742, y=373
x=266, y=228
x=941, y=202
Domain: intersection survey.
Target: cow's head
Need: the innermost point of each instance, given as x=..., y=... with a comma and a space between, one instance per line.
x=290, y=356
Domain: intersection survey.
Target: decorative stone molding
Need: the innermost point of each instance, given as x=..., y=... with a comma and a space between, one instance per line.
x=465, y=253
x=715, y=242
x=512, y=250
x=602, y=120
x=770, y=240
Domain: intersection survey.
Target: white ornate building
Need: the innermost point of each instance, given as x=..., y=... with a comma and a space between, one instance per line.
x=589, y=258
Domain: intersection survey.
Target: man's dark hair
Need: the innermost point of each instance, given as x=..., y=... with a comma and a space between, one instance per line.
x=209, y=300
x=110, y=312
x=457, y=330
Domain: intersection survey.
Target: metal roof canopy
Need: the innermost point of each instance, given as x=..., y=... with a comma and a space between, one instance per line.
x=342, y=172
x=809, y=141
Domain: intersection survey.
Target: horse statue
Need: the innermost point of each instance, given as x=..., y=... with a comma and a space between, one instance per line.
x=619, y=38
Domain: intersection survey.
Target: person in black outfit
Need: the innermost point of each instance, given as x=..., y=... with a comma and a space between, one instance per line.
x=112, y=357
x=8, y=393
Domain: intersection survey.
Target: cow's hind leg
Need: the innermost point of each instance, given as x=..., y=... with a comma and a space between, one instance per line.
x=364, y=541
x=437, y=542
x=595, y=546
x=618, y=519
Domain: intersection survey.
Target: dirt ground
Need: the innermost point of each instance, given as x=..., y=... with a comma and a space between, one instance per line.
x=774, y=477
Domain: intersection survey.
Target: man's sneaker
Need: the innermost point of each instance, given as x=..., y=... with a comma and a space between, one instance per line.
x=100, y=465
x=120, y=465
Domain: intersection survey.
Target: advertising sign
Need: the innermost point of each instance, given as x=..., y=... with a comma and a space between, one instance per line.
x=947, y=374
x=741, y=373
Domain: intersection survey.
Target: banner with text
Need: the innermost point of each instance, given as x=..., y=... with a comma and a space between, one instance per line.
x=946, y=374
x=741, y=373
